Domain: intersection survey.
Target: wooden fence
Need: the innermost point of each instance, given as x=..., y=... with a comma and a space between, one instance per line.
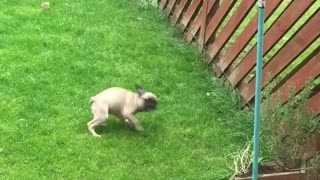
x=225, y=31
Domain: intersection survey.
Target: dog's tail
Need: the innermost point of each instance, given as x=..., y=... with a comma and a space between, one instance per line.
x=91, y=100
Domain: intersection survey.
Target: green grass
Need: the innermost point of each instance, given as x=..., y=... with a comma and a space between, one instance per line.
x=51, y=63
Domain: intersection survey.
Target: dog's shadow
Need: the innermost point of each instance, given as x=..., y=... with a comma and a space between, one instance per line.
x=117, y=127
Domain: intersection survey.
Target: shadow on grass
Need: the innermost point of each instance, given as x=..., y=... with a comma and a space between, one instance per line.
x=116, y=128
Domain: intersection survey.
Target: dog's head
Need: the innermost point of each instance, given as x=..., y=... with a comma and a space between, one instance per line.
x=149, y=99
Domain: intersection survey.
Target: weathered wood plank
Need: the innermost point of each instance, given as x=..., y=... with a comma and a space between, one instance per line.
x=162, y=4
x=177, y=11
x=195, y=26
x=245, y=37
x=314, y=103
x=218, y=17
x=169, y=7
x=230, y=28
x=294, y=175
x=309, y=71
x=203, y=19
x=287, y=54
x=189, y=13
x=273, y=35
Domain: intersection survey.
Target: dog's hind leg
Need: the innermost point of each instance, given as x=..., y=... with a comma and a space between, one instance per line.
x=94, y=123
x=100, y=116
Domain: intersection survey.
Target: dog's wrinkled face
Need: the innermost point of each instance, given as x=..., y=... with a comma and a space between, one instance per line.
x=149, y=100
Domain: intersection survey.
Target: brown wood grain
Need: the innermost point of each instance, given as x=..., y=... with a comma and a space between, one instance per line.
x=203, y=19
x=169, y=7
x=314, y=103
x=162, y=4
x=244, y=38
x=218, y=17
x=307, y=35
x=230, y=28
x=272, y=36
x=309, y=71
x=178, y=11
x=189, y=13
x=195, y=25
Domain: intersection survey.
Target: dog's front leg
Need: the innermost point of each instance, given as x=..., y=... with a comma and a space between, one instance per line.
x=133, y=120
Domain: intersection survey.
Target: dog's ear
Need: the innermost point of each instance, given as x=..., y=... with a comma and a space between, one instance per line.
x=140, y=90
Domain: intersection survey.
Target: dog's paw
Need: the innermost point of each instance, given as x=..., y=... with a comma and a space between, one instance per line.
x=139, y=128
x=97, y=136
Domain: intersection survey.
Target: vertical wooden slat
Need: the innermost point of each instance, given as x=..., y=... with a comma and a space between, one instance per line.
x=203, y=18
x=189, y=13
x=169, y=7
x=314, y=103
x=273, y=35
x=244, y=38
x=230, y=28
x=195, y=26
x=177, y=11
x=287, y=54
x=162, y=4
x=217, y=19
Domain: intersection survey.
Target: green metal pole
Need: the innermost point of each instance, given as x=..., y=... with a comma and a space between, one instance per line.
x=257, y=101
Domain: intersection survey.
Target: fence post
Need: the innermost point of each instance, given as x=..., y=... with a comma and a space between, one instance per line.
x=203, y=26
x=206, y=15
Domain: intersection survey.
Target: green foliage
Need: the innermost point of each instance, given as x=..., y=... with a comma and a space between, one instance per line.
x=314, y=166
x=286, y=130
x=242, y=159
x=153, y=3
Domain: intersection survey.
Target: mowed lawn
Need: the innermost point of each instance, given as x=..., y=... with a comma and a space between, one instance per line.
x=52, y=61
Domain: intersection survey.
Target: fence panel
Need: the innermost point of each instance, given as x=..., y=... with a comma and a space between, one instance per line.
x=178, y=11
x=288, y=53
x=272, y=36
x=169, y=7
x=162, y=4
x=195, y=26
x=244, y=38
x=194, y=5
x=217, y=19
x=314, y=104
x=309, y=71
x=230, y=28
x=235, y=58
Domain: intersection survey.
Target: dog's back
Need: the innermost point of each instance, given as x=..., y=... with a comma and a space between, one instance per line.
x=115, y=99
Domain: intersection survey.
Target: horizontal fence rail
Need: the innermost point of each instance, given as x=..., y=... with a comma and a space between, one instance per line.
x=225, y=31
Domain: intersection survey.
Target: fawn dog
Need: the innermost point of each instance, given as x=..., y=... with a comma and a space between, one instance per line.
x=121, y=103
